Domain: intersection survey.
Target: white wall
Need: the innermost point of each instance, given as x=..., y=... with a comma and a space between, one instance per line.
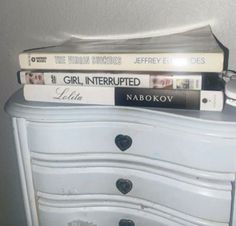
x=33, y=23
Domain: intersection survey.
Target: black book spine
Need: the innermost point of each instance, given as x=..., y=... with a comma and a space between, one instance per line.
x=146, y=97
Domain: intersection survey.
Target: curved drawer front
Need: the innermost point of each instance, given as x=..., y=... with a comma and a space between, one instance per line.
x=189, y=148
x=99, y=216
x=172, y=193
x=111, y=212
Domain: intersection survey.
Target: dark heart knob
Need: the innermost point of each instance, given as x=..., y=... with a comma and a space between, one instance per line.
x=124, y=185
x=123, y=142
x=124, y=222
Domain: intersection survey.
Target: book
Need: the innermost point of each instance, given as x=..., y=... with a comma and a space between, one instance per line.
x=158, y=80
x=195, y=50
x=207, y=100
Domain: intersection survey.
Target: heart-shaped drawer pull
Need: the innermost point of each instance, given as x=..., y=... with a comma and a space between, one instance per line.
x=124, y=185
x=125, y=222
x=123, y=142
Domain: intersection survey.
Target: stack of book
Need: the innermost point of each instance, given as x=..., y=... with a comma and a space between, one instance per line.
x=182, y=70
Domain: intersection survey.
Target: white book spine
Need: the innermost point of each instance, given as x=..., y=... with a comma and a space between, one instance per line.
x=70, y=94
x=155, y=80
x=211, y=100
x=205, y=100
x=188, y=62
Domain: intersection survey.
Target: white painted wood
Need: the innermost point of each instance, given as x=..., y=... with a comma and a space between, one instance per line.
x=24, y=165
x=100, y=216
x=75, y=201
x=146, y=186
x=109, y=213
x=109, y=159
x=185, y=148
x=182, y=164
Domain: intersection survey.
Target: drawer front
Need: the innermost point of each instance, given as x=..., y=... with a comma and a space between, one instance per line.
x=112, y=212
x=198, y=201
x=193, y=149
x=99, y=216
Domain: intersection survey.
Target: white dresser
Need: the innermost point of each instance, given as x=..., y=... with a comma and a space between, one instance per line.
x=121, y=166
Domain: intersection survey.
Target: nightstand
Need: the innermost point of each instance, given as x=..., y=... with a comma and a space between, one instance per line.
x=84, y=165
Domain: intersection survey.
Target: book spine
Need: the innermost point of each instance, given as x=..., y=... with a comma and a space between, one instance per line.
x=159, y=81
x=142, y=97
x=188, y=62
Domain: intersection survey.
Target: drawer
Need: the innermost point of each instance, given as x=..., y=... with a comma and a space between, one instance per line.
x=207, y=201
x=112, y=211
x=191, y=148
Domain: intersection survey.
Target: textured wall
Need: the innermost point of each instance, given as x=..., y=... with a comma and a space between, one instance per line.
x=32, y=23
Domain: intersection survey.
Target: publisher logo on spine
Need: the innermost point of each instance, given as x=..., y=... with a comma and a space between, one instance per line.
x=38, y=59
